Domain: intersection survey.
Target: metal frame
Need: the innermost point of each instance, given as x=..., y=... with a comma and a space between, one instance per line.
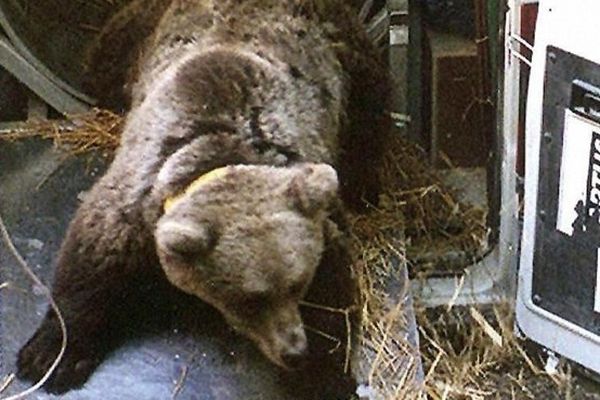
x=37, y=82
x=493, y=278
x=21, y=63
x=397, y=11
x=22, y=49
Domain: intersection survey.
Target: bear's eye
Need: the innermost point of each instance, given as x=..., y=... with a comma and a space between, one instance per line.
x=254, y=304
x=297, y=289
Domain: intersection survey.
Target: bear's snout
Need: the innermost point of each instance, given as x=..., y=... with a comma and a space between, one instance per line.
x=294, y=360
x=295, y=348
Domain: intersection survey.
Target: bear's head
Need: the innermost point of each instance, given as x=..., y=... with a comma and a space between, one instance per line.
x=247, y=239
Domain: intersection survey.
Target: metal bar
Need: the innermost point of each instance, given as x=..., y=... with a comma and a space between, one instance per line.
x=378, y=26
x=522, y=41
x=520, y=57
x=398, y=57
x=40, y=84
x=365, y=10
x=22, y=49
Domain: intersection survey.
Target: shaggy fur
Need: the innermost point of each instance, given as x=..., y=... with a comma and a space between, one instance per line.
x=252, y=252
x=288, y=88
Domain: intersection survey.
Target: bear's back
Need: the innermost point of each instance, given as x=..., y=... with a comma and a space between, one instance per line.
x=338, y=87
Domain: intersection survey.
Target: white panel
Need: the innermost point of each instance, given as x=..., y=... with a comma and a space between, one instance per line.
x=570, y=25
x=574, y=170
x=597, y=299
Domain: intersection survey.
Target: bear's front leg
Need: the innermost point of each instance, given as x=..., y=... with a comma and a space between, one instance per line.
x=96, y=277
x=82, y=354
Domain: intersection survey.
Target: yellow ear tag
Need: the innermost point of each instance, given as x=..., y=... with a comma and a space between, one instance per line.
x=195, y=185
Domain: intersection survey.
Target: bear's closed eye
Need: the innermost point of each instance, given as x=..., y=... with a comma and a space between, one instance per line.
x=255, y=303
x=297, y=289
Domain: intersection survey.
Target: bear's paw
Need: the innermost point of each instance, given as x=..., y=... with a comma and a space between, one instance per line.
x=38, y=355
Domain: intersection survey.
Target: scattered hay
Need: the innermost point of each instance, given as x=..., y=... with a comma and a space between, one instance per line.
x=468, y=353
x=346, y=313
x=416, y=216
x=6, y=382
x=97, y=130
x=474, y=354
x=435, y=223
x=180, y=383
x=388, y=357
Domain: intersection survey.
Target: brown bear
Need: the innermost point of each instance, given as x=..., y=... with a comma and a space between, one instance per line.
x=252, y=124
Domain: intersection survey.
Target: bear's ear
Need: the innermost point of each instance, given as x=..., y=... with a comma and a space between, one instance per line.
x=185, y=238
x=313, y=188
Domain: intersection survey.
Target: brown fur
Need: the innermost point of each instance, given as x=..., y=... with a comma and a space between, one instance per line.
x=249, y=243
x=286, y=88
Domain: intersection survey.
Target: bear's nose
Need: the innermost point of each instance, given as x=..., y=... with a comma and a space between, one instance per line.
x=294, y=360
x=295, y=352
